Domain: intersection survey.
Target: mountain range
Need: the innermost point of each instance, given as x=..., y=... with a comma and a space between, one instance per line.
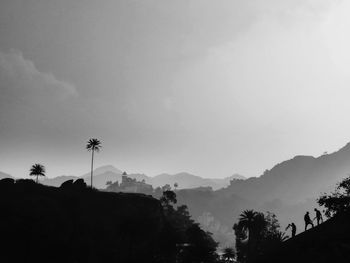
x=107, y=173
x=289, y=189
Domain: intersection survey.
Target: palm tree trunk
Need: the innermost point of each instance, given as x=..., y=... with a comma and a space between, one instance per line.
x=249, y=246
x=36, y=178
x=92, y=165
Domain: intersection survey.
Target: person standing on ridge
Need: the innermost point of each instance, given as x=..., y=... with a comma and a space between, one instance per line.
x=308, y=220
x=318, y=216
x=293, y=227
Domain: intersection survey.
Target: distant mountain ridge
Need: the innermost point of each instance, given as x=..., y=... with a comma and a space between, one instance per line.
x=288, y=189
x=4, y=175
x=297, y=179
x=106, y=173
x=187, y=180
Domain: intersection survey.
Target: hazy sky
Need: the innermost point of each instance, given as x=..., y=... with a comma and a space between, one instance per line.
x=211, y=87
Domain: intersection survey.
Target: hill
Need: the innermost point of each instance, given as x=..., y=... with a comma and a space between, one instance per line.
x=103, y=169
x=289, y=189
x=48, y=224
x=297, y=179
x=187, y=180
x=326, y=243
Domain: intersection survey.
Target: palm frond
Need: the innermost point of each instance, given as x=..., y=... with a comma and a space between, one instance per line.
x=37, y=169
x=93, y=144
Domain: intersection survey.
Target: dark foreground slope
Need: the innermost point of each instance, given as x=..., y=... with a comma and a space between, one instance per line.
x=47, y=224
x=327, y=243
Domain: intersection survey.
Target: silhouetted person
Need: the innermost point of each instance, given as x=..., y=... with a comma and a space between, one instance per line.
x=318, y=216
x=308, y=220
x=293, y=227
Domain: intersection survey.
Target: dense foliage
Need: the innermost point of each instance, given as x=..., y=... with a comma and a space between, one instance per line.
x=190, y=242
x=338, y=201
x=256, y=234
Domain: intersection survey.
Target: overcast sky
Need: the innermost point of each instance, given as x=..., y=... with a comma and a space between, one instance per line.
x=203, y=86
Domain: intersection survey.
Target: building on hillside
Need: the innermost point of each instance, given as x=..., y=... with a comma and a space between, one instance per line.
x=130, y=185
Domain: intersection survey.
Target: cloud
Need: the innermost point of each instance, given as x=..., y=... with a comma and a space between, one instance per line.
x=32, y=101
x=21, y=75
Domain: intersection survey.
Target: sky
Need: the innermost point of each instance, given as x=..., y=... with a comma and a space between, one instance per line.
x=208, y=87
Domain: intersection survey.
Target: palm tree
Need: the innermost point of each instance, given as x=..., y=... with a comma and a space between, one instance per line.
x=228, y=254
x=93, y=145
x=247, y=222
x=37, y=170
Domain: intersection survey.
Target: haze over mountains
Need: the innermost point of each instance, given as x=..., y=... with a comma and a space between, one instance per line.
x=296, y=180
x=107, y=173
x=289, y=189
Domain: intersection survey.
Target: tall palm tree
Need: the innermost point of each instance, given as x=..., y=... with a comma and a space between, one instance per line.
x=247, y=222
x=93, y=145
x=37, y=170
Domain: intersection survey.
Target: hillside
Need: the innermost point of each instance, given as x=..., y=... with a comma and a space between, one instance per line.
x=187, y=180
x=289, y=189
x=327, y=243
x=48, y=224
x=297, y=179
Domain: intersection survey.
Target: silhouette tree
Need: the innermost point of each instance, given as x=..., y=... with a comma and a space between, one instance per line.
x=176, y=185
x=183, y=238
x=338, y=201
x=256, y=234
x=166, y=187
x=271, y=241
x=280, y=236
x=37, y=170
x=201, y=246
x=246, y=224
x=93, y=145
x=168, y=198
x=228, y=254
x=246, y=220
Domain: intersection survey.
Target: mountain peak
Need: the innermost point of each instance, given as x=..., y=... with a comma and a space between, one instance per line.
x=346, y=148
x=107, y=168
x=237, y=176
